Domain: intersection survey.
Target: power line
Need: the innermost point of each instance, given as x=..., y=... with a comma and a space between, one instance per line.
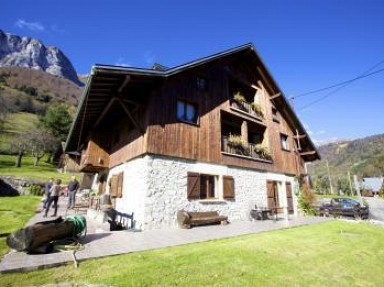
x=341, y=85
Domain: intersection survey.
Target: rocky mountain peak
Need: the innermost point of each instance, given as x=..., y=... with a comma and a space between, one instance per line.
x=31, y=53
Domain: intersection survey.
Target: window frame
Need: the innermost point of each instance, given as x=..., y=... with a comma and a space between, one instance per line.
x=284, y=142
x=184, y=118
x=223, y=186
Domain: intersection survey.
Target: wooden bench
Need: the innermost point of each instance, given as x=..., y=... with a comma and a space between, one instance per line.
x=186, y=219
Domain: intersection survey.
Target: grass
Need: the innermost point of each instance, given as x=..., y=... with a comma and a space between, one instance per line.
x=42, y=172
x=15, y=213
x=335, y=253
x=14, y=124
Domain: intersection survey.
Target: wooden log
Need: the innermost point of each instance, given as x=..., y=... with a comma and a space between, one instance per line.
x=31, y=237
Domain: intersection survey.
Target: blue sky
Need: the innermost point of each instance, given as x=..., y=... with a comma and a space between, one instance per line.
x=307, y=45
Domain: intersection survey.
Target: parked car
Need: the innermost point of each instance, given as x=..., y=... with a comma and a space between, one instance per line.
x=344, y=207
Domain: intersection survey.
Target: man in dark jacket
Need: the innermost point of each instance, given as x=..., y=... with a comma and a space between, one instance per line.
x=72, y=187
x=47, y=191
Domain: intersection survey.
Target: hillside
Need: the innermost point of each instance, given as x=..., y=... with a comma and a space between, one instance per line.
x=25, y=94
x=363, y=157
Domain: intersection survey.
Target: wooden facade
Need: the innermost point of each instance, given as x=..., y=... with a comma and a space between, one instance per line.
x=126, y=113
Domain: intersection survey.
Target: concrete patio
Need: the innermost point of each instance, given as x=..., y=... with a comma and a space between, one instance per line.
x=100, y=243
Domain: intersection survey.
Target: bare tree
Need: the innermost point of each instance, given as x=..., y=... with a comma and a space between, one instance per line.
x=20, y=146
x=41, y=141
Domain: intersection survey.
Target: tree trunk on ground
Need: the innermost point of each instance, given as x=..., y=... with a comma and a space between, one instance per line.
x=30, y=238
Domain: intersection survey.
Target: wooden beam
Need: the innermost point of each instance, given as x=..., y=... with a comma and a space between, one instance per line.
x=129, y=114
x=104, y=112
x=300, y=136
x=275, y=96
x=308, y=153
x=125, y=82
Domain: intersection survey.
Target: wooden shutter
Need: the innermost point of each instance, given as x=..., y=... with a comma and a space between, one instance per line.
x=119, y=192
x=193, y=185
x=113, y=186
x=288, y=188
x=271, y=194
x=229, y=187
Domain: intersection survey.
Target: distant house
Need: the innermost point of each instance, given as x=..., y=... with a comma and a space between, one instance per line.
x=372, y=184
x=216, y=133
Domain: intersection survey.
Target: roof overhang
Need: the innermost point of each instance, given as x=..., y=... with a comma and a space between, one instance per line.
x=107, y=83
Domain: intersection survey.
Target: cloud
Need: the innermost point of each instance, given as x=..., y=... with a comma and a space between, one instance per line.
x=33, y=26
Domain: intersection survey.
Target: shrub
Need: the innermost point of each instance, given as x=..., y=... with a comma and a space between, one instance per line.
x=35, y=189
x=307, y=200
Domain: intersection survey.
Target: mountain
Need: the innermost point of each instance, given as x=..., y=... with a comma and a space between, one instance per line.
x=31, y=53
x=363, y=157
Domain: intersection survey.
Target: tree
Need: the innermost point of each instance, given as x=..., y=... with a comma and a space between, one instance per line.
x=58, y=121
x=20, y=146
x=41, y=141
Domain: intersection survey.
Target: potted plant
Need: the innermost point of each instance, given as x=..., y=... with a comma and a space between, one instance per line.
x=235, y=142
x=257, y=109
x=262, y=151
x=239, y=100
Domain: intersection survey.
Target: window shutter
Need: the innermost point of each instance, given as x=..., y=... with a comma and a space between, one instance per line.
x=113, y=187
x=193, y=185
x=119, y=192
x=271, y=194
x=288, y=188
x=229, y=187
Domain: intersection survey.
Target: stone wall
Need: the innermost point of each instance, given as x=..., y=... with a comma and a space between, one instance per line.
x=155, y=188
x=11, y=186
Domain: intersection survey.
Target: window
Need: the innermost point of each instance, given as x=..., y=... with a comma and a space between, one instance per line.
x=202, y=83
x=284, y=142
x=205, y=186
x=275, y=115
x=186, y=112
x=273, y=195
x=116, y=185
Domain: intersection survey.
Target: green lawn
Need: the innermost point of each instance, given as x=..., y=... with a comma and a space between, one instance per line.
x=42, y=172
x=14, y=214
x=335, y=253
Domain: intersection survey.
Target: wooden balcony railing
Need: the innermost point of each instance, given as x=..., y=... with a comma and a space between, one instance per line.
x=246, y=107
x=250, y=150
x=93, y=163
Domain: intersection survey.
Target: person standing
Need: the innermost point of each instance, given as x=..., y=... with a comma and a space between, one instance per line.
x=55, y=192
x=47, y=192
x=72, y=187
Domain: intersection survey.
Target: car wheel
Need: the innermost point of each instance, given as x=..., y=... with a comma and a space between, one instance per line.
x=357, y=216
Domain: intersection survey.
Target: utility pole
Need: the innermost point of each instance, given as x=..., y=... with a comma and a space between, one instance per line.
x=357, y=186
x=350, y=182
x=329, y=177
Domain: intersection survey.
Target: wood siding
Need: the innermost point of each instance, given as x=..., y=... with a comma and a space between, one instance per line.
x=163, y=134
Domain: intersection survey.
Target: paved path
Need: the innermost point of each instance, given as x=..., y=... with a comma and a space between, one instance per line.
x=376, y=208
x=100, y=244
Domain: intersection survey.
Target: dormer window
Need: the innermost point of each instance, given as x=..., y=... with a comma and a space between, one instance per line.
x=187, y=112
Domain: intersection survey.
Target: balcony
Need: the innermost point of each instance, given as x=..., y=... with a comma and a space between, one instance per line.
x=232, y=145
x=249, y=109
x=93, y=163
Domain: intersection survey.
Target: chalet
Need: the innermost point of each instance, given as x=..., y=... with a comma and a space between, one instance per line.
x=212, y=134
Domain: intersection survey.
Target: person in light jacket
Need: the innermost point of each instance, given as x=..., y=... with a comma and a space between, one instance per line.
x=55, y=193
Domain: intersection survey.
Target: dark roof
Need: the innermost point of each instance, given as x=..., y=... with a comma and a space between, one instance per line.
x=106, y=80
